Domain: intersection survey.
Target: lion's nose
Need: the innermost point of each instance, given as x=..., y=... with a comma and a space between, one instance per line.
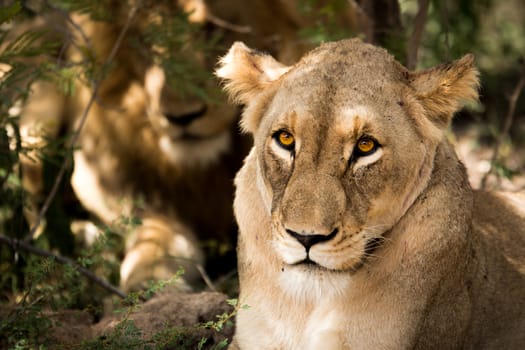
x=188, y=118
x=308, y=240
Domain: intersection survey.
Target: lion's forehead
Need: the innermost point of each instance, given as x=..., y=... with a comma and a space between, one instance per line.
x=340, y=107
x=340, y=98
x=365, y=64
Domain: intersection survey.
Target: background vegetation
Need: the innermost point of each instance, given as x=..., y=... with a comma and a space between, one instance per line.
x=53, y=270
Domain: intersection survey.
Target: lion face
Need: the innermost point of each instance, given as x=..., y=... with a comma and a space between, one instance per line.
x=185, y=110
x=185, y=124
x=344, y=143
x=324, y=151
x=324, y=175
x=165, y=79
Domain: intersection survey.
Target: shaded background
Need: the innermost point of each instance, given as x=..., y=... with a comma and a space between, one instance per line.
x=489, y=136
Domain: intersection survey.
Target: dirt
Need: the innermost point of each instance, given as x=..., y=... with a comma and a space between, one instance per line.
x=171, y=320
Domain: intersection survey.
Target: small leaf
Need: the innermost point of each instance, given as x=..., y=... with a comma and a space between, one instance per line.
x=10, y=11
x=232, y=302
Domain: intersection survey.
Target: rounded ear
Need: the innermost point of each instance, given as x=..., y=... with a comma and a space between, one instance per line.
x=444, y=89
x=247, y=72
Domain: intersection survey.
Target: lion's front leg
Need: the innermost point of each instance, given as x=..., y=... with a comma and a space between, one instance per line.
x=156, y=250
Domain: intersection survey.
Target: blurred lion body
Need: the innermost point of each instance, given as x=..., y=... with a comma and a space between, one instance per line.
x=149, y=152
x=358, y=227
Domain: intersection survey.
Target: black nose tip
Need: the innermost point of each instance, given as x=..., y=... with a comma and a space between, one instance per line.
x=308, y=240
x=188, y=118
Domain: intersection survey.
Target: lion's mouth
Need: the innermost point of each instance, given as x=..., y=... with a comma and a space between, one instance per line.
x=310, y=265
x=370, y=247
x=313, y=267
x=185, y=136
x=307, y=262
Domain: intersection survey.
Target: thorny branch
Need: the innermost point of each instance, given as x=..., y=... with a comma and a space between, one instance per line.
x=19, y=244
x=76, y=134
x=509, y=118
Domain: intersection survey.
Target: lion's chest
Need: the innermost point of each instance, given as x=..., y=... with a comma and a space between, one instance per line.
x=322, y=329
x=353, y=318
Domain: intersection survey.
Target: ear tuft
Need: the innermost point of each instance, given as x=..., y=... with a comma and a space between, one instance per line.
x=444, y=89
x=247, y=72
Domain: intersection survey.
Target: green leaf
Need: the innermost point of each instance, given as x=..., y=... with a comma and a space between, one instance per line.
x=8, y=12
x=232, y=302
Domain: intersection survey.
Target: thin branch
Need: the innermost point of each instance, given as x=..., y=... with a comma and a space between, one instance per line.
x=76, y=134
x=417, y=33
x=64, y=14
x=205, y=277
x=219, y=22
x=368, y=23
x=509, y=119
x=446, y=24
x=207, y=280
x=19, y=244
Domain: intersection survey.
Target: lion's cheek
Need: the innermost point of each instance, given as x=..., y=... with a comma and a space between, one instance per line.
x=376, y=201
x=398, y=194
x=265, y=190
x=384, y=211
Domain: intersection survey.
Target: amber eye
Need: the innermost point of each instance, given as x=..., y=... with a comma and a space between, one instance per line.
x=366, y=146
x=285, y=139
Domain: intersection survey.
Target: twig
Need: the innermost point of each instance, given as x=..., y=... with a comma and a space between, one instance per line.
x=16, y=244
x=205, y=277
x=509, y=118
x=368, y=23
x=446, y=23
x=219, y=22
x=64, y=14
x=417, y=33
x=76, y=134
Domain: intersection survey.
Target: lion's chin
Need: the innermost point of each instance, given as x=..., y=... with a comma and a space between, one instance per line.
x=195, y=151
x=309, y=281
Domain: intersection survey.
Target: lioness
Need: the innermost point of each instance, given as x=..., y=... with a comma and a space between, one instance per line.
x=358, y=227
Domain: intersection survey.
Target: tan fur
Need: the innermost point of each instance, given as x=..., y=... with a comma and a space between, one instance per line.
x=405, y=255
